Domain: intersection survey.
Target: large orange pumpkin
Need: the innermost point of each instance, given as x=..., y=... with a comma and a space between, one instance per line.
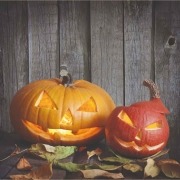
x=55, y=112
x=141, y=129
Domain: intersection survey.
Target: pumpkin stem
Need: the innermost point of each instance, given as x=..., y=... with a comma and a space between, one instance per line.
x=65, y=77
x=152, y=87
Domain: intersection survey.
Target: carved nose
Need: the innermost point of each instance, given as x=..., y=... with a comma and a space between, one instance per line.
x=138, y=136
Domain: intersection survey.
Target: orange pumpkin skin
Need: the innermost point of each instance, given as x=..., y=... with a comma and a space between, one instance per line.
x=47, y=111
x=139, y=130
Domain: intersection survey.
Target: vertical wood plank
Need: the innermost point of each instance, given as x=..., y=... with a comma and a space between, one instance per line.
x=167, y=69
x=75, y=38
x=107, y=47
x=138, y=49
x=43, y=40
x=13, y=55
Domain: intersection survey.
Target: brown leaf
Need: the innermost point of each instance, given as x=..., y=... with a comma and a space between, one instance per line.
x=17, y=150
x=42, y=172
x=170, y=167
x=23, y=164
x=164, y=161
x=151, y=169
x=171, y=170
x=97, y=152
x=20, y=177
x=95, y=173
x=82, y=148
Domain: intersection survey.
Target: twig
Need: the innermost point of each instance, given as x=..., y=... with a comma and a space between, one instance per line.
x=14, y=153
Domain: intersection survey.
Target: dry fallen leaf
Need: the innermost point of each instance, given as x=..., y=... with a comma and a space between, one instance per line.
x=97, y=152
x=69, y=166
x=151, y=169
x=155, y=156
x=20, y=176
x=170, y=167
x=23, y=164
x=106, y=167
x=95, y=173
x=49, y=148
x=51, y=153
x=82, y=148
x=133, y=167
x=165, y=161
x=17, y=150
x=42, y=172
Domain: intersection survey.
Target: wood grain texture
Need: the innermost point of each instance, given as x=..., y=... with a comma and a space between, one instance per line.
x=107, y=47
x=43, y=40
x=138, y=55
x=167, y=69
x=13, y=54
x=75, y=38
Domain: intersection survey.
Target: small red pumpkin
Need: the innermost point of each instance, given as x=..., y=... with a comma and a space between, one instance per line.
x=54, y=111
x=139, y=130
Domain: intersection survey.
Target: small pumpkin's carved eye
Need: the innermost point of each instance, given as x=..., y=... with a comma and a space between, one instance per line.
x=88, y=106
x=45, y=101
x=125, y=118
x=67, y=119
x=154, y=126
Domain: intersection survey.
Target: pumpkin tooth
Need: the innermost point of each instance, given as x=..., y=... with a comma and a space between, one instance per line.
x=133, y=145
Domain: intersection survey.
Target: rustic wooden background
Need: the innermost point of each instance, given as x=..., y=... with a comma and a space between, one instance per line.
x=115, y=44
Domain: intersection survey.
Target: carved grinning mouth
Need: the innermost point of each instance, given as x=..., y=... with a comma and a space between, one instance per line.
x=136, y=147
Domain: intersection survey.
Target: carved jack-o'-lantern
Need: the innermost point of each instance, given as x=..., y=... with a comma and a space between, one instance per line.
x=56, y=112
x=139, y=130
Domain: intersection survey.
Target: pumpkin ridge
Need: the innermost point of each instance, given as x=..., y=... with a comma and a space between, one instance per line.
x=50, y=88
x=26, y=94
x=89, y=92
x=64, y=101
x=26, y=111
x=38, y=112
x=104, y=96
x=58, y=109
x=80, y=95
x=34, y=99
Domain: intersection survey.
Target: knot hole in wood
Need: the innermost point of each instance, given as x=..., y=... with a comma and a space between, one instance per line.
x=171, y=41
x=171, y=45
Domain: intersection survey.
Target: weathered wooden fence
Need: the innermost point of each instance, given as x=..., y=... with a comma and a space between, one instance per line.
x=115, y=44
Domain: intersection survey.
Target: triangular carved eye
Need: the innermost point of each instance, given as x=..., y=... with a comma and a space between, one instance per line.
x=88, y=106
x=125, y=118
x=45, y=101
x=154, y=126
